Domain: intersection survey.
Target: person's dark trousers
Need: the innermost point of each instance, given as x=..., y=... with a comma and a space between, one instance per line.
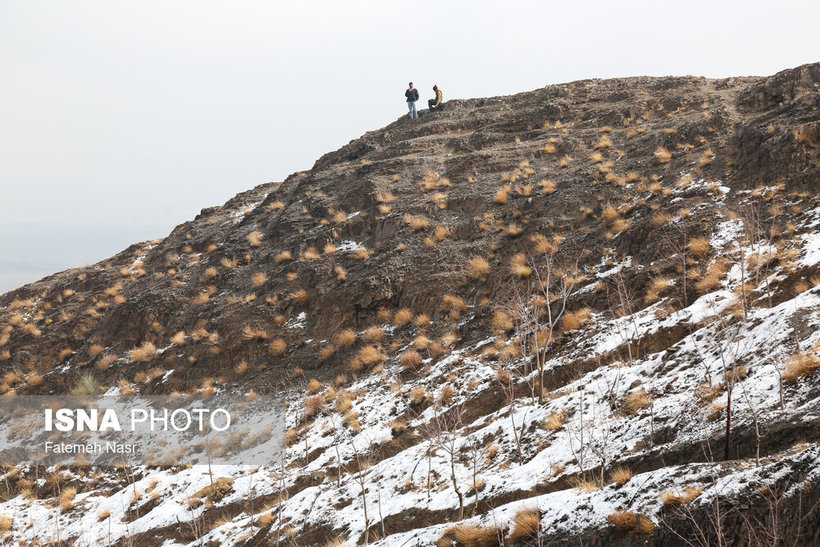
x=431, y=104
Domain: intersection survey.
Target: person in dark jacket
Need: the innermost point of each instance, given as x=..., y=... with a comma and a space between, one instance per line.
x=434, y=104
x=412, y=95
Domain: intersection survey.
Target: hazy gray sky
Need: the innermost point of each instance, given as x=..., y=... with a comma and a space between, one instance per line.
x=120, y=120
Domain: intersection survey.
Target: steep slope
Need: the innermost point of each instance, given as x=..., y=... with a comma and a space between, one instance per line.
x=679, y=224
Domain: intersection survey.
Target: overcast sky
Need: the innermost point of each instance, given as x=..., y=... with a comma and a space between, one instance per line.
x=120, y=120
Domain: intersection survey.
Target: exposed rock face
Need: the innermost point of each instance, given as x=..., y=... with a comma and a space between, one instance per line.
x=623, y=177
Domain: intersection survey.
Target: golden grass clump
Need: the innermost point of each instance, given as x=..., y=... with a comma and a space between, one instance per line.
x=671, y=498
x=66, y=500
x=410, y=359
x=255, y=239
x=210, y=272
x=502, y=321
x=527, y=524
x=341, y=273
x=478, y=268
x=250, y=333
x=241, y=368
x=284, y=256
x=554, y=421
x=277, y=346
x=259, y=279
x=657, y=285
x=374, y=335
x=800, y=366
x=421, y=342
x=603, y=143
x=452, y=302
x=345, y=338
x=95, y=350
x=417, y=395
x=584, y=485
x=644, y=526
x=575, y=320
x=609, y=213
x=418, y=223
x=620, y=475
x=663, y=155
x=502, y=195
x=314, y=386
x=422, y=320
x=371, y=355
x=714, y=275
x=441, y=233
x=547, y=186
x=636, y=400
x=144, y=352
x=700, y=246
x=519, y=267
x=623, y=520
x=661, y=218
x=471, y=535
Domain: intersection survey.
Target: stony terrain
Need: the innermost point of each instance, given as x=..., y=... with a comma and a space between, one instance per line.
x=585, y=314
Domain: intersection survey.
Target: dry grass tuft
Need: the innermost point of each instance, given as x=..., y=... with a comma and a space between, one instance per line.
x=418, y=223
x=66, y=500
x=471, y=535
x=502, y=195
x=411, y=360
x=700, y=246
x=95, y=350
x=277, y=346
x=547, y=186
x=584, y=485
x=478, y=268
x=250, y=333
x=418, y=395
x=374, y=335
x=663, y=155
x=713, y=277
x=554, y=421
x=527, y=525
x=145, y=352
x=575, y=320
x=800, y=366
x=620, y=475
x=657, y=285
x=519, y=267
x=636, y=400
x=623, y=520
x=255, y=239
x=371, y=355
x=345, y=338
x=661, y=218
x=284, y=256
x=671, y=498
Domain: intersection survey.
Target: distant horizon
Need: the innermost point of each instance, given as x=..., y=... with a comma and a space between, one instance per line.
x=121, y=121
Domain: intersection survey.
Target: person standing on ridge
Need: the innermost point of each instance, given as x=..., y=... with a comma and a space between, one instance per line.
x=435, y=104
x=412, y=95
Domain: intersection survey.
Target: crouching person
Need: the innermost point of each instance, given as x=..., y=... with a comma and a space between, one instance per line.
x=435, y=104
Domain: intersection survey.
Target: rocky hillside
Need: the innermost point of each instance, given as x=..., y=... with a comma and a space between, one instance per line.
x=584, y=314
